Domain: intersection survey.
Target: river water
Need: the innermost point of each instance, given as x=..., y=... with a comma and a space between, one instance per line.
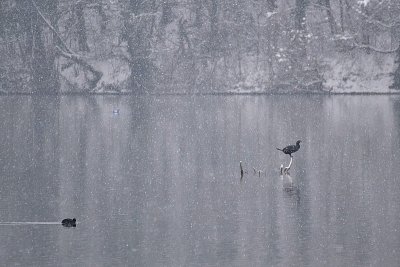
x=155, y=181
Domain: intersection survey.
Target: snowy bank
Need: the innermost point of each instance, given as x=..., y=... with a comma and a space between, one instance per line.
x=346, y=73
x=359, y=72
x=356, y=71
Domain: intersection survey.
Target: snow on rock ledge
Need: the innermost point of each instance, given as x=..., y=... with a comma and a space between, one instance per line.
x=359, y=72
x=115, y=75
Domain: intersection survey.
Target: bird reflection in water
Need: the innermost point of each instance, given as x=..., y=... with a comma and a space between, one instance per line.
x=289, y=185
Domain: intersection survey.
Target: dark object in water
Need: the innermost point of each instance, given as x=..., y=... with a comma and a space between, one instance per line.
x=241, y=171
x=69, y=222
x=291, y=149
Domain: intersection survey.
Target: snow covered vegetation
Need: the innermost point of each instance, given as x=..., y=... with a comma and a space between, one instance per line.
x=199, y=46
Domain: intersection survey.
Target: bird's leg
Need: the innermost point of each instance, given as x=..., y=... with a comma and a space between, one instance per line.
x=286, y=170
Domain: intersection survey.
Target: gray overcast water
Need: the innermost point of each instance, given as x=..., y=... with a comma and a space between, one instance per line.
x=159, y=183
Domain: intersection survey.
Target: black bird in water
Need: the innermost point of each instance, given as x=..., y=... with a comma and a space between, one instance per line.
x=291, y=149
x=69, y=222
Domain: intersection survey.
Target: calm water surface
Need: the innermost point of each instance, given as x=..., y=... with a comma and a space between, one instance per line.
x=159, y=183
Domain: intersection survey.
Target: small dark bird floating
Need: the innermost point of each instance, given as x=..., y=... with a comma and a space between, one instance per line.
x=291, y=149
x=69, y=222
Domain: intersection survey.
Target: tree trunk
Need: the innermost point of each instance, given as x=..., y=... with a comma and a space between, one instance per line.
x=44, y=73
x=103, y=16
x=81, y=28
x=300, y=15
x=198, y=21
x=300, y=26
x=365, y=26
x=166, y=12
x=331, y=19
x=341, y=15
x=136, y=26
x=2, y=18
x=213, y=27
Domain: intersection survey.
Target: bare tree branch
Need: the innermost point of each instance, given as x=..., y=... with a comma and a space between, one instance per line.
x=51, y=28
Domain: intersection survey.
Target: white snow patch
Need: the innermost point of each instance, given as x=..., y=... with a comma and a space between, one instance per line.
x=363, y=2
x=115, y=74
x=270, y=14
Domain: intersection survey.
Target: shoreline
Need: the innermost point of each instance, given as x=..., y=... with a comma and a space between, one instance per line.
x=195, y=94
